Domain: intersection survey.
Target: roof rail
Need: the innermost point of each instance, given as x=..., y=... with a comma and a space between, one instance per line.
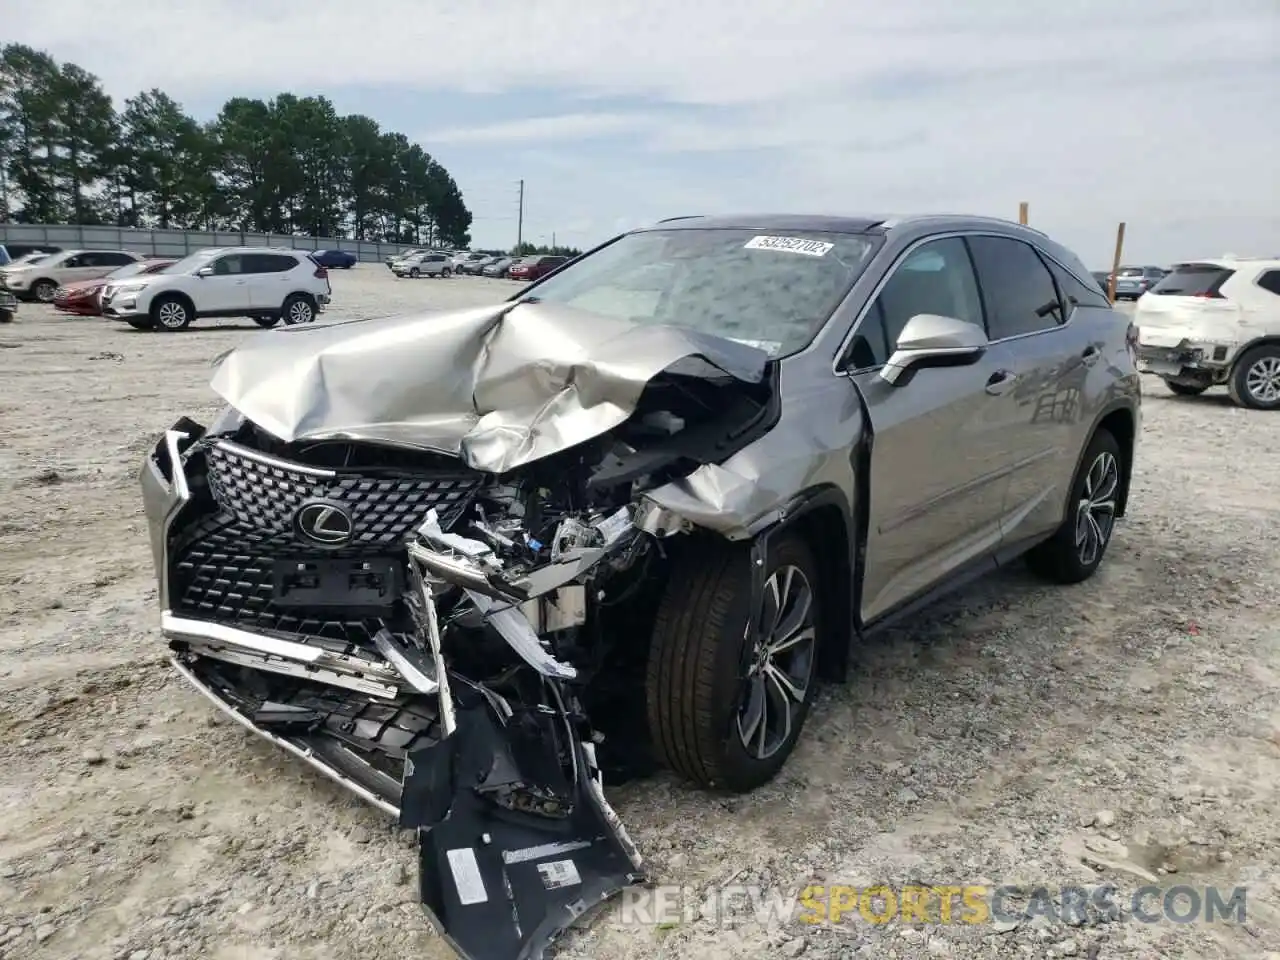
x=687, y=216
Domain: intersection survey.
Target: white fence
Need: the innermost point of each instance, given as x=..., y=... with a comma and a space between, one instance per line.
x=178, y=243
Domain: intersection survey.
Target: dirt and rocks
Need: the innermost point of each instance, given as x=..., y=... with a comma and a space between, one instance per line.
x=1125, y=731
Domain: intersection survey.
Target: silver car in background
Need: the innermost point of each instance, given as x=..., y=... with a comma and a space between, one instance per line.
x=465, y=563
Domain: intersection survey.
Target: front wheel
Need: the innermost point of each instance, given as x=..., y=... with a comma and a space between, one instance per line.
x=1185, y=389
x=1074, y=552
x=415, y=273
x=731, y=676
x=298, y=309
x=1255, y=382
x=43, y=290
x=171, y=314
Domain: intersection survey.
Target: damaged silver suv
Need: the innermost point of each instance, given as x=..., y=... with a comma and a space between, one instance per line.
x=466, y=563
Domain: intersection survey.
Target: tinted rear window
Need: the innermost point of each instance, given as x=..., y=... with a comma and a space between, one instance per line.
x=1192, y=280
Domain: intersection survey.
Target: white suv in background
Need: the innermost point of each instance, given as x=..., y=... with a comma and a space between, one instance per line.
x=265, y=283
x=1215, y=323
x=40, y=279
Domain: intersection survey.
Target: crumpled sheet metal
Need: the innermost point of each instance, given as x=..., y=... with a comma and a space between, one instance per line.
x=498, y=386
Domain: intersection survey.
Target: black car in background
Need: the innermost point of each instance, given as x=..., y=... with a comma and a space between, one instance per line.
x=335, y=259
x=10, y=252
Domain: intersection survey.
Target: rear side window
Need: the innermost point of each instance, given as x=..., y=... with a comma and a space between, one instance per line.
x=1193, y=280
x=1270, y=281
x=268, y=263
x=1076, y=292
x=1017, y=288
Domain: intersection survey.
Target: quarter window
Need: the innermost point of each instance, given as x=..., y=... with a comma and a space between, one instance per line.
x=268, y=263
x=1018, y=290
x=1270, y=281
x=109, y=259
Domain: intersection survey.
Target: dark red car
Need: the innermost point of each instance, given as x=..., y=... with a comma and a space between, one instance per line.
x=531, y=268
x=84, y=297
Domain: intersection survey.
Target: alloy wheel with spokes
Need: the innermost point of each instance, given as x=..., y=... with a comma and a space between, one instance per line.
x=1262, y=380
x=44, y=290
x=172, y=315
x=780, y=667
x=299, y=311
x=1096, y=509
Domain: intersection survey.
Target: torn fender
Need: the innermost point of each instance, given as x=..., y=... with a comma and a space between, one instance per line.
x=515, y=844
x=498, y=386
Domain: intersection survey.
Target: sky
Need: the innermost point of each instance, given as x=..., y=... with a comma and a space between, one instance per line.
x=616, y=113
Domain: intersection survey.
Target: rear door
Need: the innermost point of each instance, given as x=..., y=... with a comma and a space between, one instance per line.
x=268, y=278
x=1027, y=314
x=939, y=457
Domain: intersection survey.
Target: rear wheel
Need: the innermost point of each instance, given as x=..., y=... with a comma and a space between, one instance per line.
x=1186, y=389
x=1255, y=381
x=731, y=676
x=446, y=272
x=298, y=308
x=1075, y=551
x=171, y=314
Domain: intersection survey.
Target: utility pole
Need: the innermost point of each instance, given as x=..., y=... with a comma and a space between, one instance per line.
x=553, y=241
x=520, y=219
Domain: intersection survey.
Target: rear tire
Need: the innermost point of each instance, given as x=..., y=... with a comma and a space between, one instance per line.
x=171, y=314
x=298, y=309
x=446, y=273
x=1255, y=381
x=1185, y=389
x=708, y=673
x=1074, y=553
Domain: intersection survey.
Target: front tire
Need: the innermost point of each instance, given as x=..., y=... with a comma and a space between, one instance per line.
x=43, y=290
x=1255, y=381
x=729, y=686
x=298, y=309
x=171, y=314
x=1185, y=389
x=415, y=273
x=1074, y=553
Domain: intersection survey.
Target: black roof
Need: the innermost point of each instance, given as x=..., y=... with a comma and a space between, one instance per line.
x=773, y=221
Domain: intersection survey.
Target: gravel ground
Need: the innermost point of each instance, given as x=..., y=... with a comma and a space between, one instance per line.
x=1126, y=730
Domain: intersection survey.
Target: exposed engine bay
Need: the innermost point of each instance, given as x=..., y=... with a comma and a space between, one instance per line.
x=435, y=637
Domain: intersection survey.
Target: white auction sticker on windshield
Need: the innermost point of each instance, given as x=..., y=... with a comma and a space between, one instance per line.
x=810, y=248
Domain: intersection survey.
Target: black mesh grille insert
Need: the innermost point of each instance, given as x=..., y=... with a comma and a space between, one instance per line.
x=265, y=494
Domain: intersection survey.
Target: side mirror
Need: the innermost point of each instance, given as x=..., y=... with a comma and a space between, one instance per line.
x=930, y=340
x=205, y=272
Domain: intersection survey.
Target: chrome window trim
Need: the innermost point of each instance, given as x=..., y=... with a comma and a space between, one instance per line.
x=875, y=292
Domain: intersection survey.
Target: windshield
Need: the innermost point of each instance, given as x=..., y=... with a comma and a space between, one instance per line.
x=128, y=270
x=191, y=262
x=772, y=292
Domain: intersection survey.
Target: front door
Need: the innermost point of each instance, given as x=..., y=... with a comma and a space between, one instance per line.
x=228, y=289
x=939, y=458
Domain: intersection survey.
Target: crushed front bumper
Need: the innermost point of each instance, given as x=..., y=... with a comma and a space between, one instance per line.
x=516, y=839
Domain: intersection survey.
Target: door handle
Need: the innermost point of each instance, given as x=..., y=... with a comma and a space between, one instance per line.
x=1001, y=382
x=1090, y=355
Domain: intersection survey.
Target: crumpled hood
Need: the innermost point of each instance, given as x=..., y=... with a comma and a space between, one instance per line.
x=499, y=386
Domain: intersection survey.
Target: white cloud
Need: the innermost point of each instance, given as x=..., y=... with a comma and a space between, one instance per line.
x=562, y=127
x=1157, y=112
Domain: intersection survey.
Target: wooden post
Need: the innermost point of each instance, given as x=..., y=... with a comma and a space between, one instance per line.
x=1022, y=212
x=1115, y=264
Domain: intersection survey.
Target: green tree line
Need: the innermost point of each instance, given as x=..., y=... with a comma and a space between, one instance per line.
x=288, y=165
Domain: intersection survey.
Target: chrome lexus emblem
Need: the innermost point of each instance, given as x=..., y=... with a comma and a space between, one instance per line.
x=324, y=523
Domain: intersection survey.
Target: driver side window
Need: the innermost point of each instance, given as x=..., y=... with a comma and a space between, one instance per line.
x=225, y=266
x=937, y=277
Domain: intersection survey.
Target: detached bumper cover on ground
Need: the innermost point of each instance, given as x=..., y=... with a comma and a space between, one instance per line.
x=341, y=610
